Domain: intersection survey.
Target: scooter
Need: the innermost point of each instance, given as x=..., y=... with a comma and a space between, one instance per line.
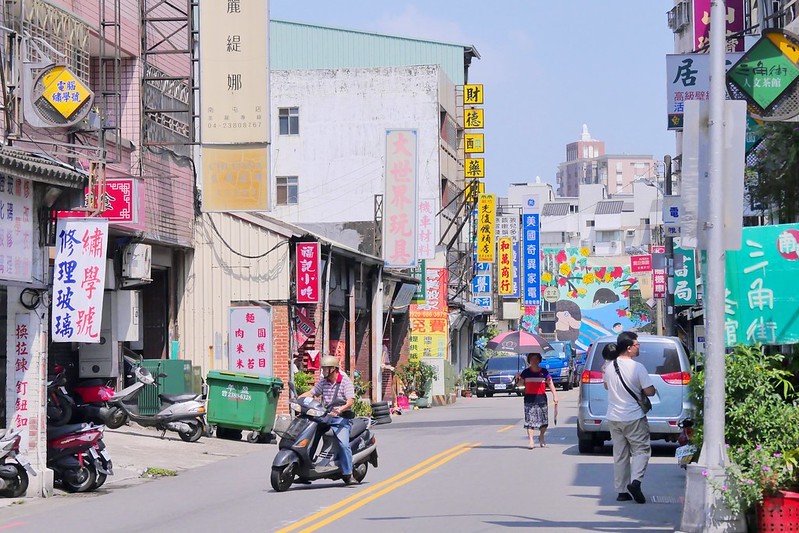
x=13, y=474
x=60, y=405
x=78, y=457
x=182, y=413
x=308, y=447
x=92, y=397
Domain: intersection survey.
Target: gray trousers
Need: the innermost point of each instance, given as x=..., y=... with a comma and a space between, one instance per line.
x=631, y=451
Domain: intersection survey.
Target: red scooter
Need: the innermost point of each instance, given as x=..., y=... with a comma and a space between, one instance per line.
x=77, y=455
x=91, y=404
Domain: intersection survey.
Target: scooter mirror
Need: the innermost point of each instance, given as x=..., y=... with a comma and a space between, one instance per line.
x=162, y=375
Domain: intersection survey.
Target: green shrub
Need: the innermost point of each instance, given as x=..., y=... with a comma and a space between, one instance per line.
x=362, y=408
x=416, y=376
x=303, y=381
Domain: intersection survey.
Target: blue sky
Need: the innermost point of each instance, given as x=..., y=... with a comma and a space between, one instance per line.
x=547, y=67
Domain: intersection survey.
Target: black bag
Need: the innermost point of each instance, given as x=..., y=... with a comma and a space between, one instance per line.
x=642, y=401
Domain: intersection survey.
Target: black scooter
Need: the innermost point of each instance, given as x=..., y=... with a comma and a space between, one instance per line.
x=308, y=448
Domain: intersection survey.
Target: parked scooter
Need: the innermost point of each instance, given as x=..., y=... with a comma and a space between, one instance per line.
x=77, y=455
x=60, y=405
x=308, y=448
x=92, y=397
x=14, y=466
x=182, y=413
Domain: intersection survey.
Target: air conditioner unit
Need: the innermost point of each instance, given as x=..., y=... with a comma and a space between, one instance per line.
x=137, y=262
x=630, y=232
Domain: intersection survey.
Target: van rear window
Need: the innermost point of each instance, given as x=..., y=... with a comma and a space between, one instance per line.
x=658, y=358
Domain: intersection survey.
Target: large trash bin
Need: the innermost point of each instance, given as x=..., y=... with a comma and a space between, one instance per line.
x=178, y=380
x=243, y=401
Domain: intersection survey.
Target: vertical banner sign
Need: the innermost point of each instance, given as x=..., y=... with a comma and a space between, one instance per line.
x=16, y=229
x=426, y=245
x=22, y=373
x=308, y=281
x=399, y=202
x=532, y=258
x=658, y=275
x=505, y=266
x=430, y=320
x=420, y=274
x=250, y=340
x=486, y=219
x=79, y=279
x=685, y=278
x=481, y=285
x=735, y=24
x=761, y=298
x=508, y=226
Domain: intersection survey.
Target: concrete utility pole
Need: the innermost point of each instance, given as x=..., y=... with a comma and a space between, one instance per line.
x=671, y=330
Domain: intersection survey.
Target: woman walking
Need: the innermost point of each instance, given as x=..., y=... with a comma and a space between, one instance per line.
x=536, y=411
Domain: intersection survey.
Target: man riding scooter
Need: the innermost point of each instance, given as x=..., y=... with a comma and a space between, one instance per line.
x=336, y=385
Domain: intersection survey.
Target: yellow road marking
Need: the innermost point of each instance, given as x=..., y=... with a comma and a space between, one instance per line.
x=388, y=489
x=373, y=488
x=506, y=428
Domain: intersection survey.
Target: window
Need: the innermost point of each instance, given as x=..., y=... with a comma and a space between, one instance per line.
x=589, y=223
x=287, y=190
x=289, y=118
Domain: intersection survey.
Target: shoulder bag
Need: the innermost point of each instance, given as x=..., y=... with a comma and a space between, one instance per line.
x=643, y=402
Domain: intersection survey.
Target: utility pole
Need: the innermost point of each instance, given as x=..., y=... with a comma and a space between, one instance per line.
x=671, y=330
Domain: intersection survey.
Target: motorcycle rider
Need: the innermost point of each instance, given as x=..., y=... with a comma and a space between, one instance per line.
x=334, y=384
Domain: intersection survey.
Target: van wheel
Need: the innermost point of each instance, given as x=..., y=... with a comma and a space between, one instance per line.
x=489, y=394
x=585, y=442
x=480, y=394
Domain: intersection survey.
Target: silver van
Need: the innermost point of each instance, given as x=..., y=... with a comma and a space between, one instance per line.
x=666, y=361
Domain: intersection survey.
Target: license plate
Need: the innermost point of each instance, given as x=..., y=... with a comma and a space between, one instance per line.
x=22, y=460
x=93, y=453
x=500, y=386
x=106, y=455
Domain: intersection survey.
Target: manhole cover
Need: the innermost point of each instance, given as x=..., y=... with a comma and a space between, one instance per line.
x=665, y=499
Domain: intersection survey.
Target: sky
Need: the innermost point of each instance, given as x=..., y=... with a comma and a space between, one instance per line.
x=547, y=68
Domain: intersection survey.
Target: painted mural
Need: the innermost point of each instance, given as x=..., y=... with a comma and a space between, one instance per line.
x=590, y=300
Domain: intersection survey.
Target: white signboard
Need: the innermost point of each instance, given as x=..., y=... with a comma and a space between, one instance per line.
x=79, y=279
x=16, y=229
x=426, y=243
x=250, y=340
x=23, y=337
x=400, y=200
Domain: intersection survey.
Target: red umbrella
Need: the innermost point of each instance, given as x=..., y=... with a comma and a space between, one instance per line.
x=519, y=342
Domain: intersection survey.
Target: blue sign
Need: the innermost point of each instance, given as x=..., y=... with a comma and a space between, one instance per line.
x=531, y=254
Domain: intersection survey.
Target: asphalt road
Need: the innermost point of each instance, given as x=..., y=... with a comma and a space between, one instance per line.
x=464, y=467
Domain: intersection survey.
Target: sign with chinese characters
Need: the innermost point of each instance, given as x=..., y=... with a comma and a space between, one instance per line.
x=685, y=278
x=250, y=339
x=486, y=217
x=767, y=69
x=505, y=266
x=473, y=118
x=308, y=264
x=473, y=143
x=426, y=241
x=234, y=67
x=508, y=226
x=531, y=256
x=399, y=201
x=119, y=203
x=473, y=190
x=235, y=178
x=473, y=94
x=474, y=168
x=735, y=24
x=420, y=274
x=658, y=275
x=430, y=321
x=79, y=279
x=761, y=299
x=16, y=229
x=64, y=91
x=304, y=326
x=641, y=263
x=23, y=337
x=482, y=286
x=688, y=78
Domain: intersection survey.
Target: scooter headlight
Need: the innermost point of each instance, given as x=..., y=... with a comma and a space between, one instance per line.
x=315, y=412
x=296, y=407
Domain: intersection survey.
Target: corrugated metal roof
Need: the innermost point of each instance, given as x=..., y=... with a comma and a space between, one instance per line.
x=40, y=168
x=609, y=207
x=555, y=209
x=294, y=45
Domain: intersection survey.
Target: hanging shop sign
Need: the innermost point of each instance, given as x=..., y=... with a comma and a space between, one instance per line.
x=250, y=339
x=400, y=199
x=486, y=218
x=473, y=143
x=531, y=259
x=473, y=118
x=473, y=94
x=308, y=279
x=16, y=229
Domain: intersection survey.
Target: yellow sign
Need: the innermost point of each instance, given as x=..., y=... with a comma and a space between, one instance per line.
x=474, y=168
x=473, y=119
x=486, y=220
x=235, y=178
x=64, y=91
x=473, y=94
x=785, y=46
x=505, y=266
x=474, y=189
x=473, y=143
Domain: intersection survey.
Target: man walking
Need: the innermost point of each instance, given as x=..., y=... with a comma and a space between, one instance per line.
x=335, y=385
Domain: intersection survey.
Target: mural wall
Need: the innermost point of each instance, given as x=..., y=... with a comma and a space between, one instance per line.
x=589, y=300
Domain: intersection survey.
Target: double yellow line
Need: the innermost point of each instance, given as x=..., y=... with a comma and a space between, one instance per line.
x=356, y=501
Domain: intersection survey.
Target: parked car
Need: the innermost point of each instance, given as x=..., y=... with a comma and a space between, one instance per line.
x=560, y=363
x=666, y=360
x=497, y=375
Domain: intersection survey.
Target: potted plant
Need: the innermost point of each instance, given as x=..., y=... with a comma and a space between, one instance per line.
x=417, y=378
x=469, y=377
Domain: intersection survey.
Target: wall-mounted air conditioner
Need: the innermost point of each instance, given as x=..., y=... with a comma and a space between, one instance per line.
x=137, y=263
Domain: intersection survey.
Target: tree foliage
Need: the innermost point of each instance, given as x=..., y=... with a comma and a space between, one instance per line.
x=775, y=180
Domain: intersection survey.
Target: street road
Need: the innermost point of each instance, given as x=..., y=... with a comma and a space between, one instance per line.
x=465, y=467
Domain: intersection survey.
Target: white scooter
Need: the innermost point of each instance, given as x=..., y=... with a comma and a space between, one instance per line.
x=14, y=466
x=182, y=413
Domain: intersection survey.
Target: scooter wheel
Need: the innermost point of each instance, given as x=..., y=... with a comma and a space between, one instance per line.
x=193, y=435
x=282, y=477
x=17, y=487
x=79, y=479
x=359, y=471
x=116, y=419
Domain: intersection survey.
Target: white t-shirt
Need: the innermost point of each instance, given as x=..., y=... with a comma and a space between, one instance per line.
x=621, y=406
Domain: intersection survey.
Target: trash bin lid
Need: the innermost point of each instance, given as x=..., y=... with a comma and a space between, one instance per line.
x=237, y=377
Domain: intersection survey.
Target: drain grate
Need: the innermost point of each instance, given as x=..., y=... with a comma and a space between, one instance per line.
x=665, y=499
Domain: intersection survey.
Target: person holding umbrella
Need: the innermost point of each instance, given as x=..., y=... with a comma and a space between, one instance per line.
x=536, y=410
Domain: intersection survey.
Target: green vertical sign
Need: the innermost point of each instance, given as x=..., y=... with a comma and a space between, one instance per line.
x=685, y=278
x=419, y=273
x=762, y=303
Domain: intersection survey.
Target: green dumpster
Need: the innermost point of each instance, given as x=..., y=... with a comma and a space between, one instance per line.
x=243, y=401
x=178, y=380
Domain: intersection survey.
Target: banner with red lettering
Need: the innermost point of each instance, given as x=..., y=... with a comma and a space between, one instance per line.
x=250, y=340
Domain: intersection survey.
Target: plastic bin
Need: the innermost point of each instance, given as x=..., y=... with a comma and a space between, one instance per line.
x=243, y=401
x=178, y=381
